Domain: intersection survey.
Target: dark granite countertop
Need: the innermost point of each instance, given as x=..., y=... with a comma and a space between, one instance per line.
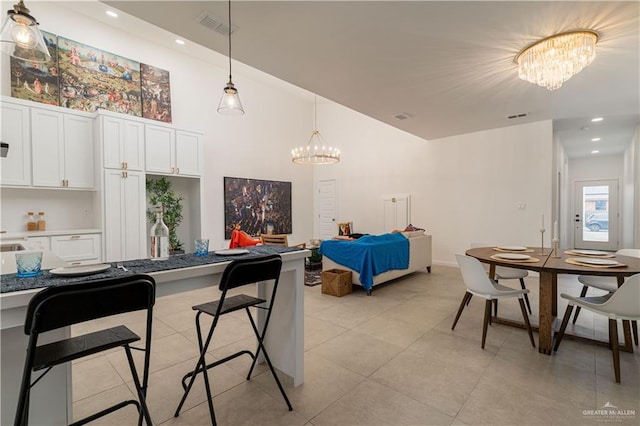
x=10, y=282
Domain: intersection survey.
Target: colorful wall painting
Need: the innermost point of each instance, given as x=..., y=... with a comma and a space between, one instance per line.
x=156, y=93
x=34, y=81
x=92, y=79
x=259, y=206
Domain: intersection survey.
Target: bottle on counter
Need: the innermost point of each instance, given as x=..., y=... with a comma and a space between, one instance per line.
x=42, y=223
x=159, y=238
x=31, y=222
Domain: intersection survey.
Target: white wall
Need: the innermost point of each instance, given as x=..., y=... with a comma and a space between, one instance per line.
x=631, y=190
x=463, y=188
x=257, y=145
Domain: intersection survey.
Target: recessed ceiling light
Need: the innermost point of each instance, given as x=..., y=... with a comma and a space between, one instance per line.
x=595, y=151
x=180, y=42
x=595, y=140
x=112, y=14
x=594, y=120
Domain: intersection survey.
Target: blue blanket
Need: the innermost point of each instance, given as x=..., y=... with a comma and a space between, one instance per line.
x=370, y=255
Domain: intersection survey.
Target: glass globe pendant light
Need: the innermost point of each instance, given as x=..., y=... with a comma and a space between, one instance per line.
x=20, y=36
x=230, y=102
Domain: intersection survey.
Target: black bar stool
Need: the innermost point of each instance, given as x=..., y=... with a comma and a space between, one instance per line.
x=238, y=273
x=68, y=304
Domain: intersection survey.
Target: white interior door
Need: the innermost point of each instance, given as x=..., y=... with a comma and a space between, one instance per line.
x=596, y=215
x=397, y=211
x=327, y=209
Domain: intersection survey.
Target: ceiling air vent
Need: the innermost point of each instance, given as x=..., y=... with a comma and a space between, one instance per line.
x=215, y=23
x=402, y=116
x=511, y=117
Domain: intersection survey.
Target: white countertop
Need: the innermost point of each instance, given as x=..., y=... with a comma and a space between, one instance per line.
x=21, y=235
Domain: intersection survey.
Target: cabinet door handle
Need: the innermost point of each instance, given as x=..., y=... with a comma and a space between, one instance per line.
x=126, y=174
x=178, y=170
x=126, y=165
x=122, y=165
x=75, y=237
x=76, y=263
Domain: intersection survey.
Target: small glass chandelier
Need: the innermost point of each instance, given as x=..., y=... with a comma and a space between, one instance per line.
x=230, y=102
x=316, y=151
x=20, y=36
x=554, y=60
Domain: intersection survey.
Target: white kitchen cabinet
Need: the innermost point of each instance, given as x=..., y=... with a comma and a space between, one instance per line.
x=38, y=243
x=188, y=153
x=172, y=152
x=81, y=249
x=15, y=128
x=62, y=149
x=122, y=143
x=125, y=229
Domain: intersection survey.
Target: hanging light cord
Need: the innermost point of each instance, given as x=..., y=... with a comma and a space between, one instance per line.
x=229, y=40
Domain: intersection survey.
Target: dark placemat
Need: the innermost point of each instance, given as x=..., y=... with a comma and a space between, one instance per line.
x=10, y=282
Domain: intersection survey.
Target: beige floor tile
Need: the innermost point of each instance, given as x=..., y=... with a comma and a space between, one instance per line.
x=165, y=352
x=505, y=404
x=317, y=331
x=453, y=349
x=165, y=388
x=357, y=352
x=371, y=403
x=245, y=404
x=429, y=380
x=559, y=382
x=324, y=383
x=123, y=417
x=92, y=376
x=396, y=332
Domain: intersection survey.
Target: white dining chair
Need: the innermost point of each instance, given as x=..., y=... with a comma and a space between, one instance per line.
x=619, y=305
x=479, y=284
x=506, y=273
x=609, y=284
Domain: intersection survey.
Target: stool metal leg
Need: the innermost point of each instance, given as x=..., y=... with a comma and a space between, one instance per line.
x=266, y=357
x=200, y=367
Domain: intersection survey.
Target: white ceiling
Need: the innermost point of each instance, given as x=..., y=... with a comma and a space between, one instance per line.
x=450, y=64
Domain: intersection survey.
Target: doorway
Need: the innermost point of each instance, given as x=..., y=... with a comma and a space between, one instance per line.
x=328, y=209
x=596, y=215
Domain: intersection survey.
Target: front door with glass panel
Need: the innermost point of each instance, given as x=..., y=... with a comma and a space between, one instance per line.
x=596, y=215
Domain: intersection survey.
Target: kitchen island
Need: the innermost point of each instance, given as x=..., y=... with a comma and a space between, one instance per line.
x=51, y=398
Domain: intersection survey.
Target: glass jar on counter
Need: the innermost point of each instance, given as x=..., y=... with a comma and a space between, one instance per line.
x=41, y=223
x=31, y=222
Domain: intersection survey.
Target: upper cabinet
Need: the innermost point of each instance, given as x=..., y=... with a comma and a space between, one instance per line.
x=62, y=149
x=171, y=152
x=15, y=128
x=188, y=153
x=122, y=143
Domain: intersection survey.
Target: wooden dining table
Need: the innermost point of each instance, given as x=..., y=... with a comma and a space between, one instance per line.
x=549, y=266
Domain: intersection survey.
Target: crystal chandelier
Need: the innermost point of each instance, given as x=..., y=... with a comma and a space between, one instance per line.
x=316, y=151
x=554, y=60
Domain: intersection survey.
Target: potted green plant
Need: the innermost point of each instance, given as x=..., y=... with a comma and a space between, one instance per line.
x=160, y=193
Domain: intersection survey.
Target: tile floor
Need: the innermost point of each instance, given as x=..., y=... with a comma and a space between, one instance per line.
x=389, y=359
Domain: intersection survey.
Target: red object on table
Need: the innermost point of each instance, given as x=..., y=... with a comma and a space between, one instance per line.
x=241, y=239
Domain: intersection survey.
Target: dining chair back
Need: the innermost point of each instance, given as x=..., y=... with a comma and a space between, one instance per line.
x=609, y=284
x=620, y=305
x=506, y=273
x=68, y=304
x=479, y=284
x=278, y=240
